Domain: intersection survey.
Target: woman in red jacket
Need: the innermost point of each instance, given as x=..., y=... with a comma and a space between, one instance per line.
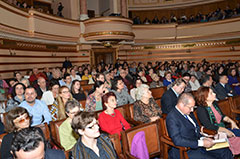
x=111, y=120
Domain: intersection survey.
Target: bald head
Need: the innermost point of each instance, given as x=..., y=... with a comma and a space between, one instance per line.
x=186, y=103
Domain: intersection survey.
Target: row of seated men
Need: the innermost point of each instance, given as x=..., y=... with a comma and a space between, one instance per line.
x=142, y=95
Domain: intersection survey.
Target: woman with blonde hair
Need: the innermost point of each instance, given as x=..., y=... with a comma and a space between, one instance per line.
x=58, y=108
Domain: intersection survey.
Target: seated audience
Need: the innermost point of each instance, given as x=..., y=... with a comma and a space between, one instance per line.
x=91, y=143
x=86, y=75
x=137, y=83
x=126, y=79
x=167, y=79
x=149, y=75
x=3, y=87
x=17, y=96
x=122, y=95
x=207, y=81
x=233, y=81
x=108, y=78
x=145, y=108
x=155, y=81
x=162, y=71
x=169, y=98
x=66, y=81
x=211, y=117
x=184, y=131
x=94, y=99
x=111, y=120
x=77, y=92
x=28, y=143
x=58, y=108
x=42, y=86
x=16, y=119
x=100, y=77
x=35, y=75
x=68, y=137
x=74, y=76
x=194, y=83
x=36, y=108
x=219, y=72
x=223, y=89
x=50, y=96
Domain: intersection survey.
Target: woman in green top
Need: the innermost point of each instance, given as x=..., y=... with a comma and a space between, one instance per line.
x=68, y=138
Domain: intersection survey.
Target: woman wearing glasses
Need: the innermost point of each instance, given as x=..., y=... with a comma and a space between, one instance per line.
x=68, y=138
x=211, y=117
x=16, y=119
x=91, y=143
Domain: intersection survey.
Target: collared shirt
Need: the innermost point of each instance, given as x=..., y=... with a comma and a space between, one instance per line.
x=39, y=112
x=175, y=92
x=200, y=142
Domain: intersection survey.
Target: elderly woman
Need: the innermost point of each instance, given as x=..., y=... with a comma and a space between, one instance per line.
x=145, y=108
x=111, y=120
x=137, y=83
x=168, y=79
x=50, y=96
x=122, y=95
x=17, y=96
x=211, y=117
x=194, y=83
x=91, y=144
x=68, y=138
x=16, y=119
x=25, y=81
x=94, y=100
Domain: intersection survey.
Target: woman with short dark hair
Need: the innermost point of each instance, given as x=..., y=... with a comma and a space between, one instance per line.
x=91, y=143
x=111, y=119
x=17, y=96
x=16, y=119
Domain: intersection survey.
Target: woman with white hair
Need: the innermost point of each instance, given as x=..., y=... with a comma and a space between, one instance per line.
x=145, y=108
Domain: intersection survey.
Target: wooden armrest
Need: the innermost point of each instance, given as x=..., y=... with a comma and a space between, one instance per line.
x=129, y=156
x=117, y=144
x=236, y=111
x=209, y=132
x=133, y=122
x=169, y=142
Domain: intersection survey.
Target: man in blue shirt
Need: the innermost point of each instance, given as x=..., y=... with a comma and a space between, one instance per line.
x=36, y=108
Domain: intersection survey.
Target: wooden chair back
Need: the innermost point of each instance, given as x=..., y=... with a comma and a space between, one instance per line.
x=236, y=102
x=115, y=139
x=158, y=92
x=225, y=106
x=83, y=103
x=54, y=125
x=152, y=136
x=45, y=130
x=158, y=101
x=87, y=87
x=129, y=110
x=84, y=82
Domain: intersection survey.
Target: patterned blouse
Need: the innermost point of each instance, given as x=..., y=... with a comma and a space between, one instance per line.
x=143, y=112
x=91, y=104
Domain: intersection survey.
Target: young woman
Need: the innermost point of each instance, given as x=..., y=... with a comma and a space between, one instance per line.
x=77, y=93
x=86, y=75
x=58, y=108
x=111, y=120
x=91, y=143
x=94, y=100
x=137, y=83
x=211, y=117
x=17, y=96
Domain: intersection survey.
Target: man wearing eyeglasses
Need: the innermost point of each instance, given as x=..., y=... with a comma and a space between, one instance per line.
x=184, y=131
x=28, y=143
x=36, y=108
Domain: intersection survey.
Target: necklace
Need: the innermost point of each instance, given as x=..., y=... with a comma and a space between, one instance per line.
x=112, y=115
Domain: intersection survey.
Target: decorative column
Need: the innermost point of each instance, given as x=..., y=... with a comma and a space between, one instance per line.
x=83, y=10
x=124, y=8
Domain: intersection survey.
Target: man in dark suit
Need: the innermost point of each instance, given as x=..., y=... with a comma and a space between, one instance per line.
x=28, y=143
x=169, y=98
x=184, y=131
x=223, y=89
